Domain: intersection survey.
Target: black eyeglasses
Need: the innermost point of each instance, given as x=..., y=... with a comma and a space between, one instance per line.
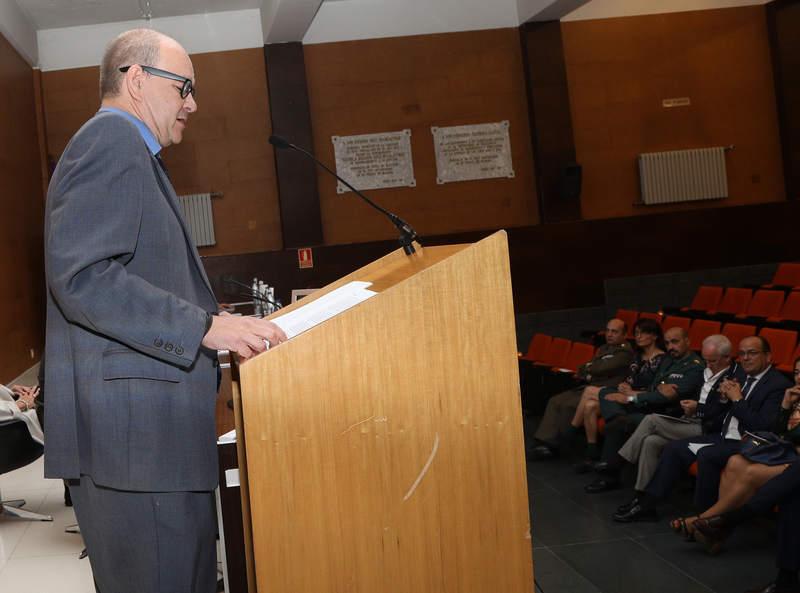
x=187, y=87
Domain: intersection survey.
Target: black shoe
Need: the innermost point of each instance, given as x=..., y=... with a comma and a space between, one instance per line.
x=635, y=514
x=584, y=467
x=600, y=466
x=542, y=453
x=602, y=485
x=624, y=508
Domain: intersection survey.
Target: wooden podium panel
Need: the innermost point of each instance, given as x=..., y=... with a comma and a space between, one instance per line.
x=384, y=446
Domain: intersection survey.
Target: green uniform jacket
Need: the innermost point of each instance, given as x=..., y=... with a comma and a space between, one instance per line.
x=686, y=373
x=609, y=366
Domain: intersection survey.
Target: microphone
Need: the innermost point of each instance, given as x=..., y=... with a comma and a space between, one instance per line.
x=407, y=233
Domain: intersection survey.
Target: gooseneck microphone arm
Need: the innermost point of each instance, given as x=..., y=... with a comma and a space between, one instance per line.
x=407, y=233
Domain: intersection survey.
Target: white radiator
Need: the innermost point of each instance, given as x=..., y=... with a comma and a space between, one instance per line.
x=199, y=217
x=683, y=175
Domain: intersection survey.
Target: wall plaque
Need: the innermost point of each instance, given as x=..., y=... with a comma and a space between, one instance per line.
x=374, y=161
x=676, y=102
x=480, y=151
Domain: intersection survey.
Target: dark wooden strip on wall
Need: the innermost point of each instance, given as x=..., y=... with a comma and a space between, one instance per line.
x=550, y=121
x=783, y=22
x=291, y=119
x=563, y=266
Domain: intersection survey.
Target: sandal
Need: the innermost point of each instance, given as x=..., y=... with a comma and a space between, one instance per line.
x=684, y=526
x=712, y=532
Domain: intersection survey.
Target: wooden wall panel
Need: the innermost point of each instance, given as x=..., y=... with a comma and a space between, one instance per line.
x=22, y=205
x=362, y=87
x=619, y=71
x=224, y=149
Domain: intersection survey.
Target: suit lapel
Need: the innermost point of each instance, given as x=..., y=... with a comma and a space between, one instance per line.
x=172, y=199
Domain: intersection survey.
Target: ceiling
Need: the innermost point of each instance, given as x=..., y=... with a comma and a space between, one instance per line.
x=51, y=14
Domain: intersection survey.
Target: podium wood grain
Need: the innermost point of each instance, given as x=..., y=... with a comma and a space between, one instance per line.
x=384, y=446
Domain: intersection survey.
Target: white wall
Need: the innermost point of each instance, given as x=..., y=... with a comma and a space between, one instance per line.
x=76, y=47
x=344, y=20
x=19, y=32
x=603, y=9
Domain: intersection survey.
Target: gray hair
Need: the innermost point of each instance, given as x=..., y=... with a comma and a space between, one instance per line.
x=720, y=343
x=137, y=46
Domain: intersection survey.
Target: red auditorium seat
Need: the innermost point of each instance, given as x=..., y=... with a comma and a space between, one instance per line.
x=765, y=303
x=705, y=299
x=736, y=332
x=787, y=274
x=790, y=310
x=700, y=330
x=578, y=354
x=556, y=355
x=671, y=321
x=629, y=317
x=783, y=343
x=734, y=301
x=657, y=317
x=537, y=347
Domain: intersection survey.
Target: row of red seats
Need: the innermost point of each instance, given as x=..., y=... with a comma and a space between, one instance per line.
x=558, y=354
x=772, y=306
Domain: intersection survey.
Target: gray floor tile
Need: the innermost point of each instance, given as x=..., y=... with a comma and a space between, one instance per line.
x=625, y=566
x=553, y=575
x=556, y=520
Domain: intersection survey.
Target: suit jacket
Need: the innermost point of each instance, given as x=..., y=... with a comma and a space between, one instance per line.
x=759, y=410
x=712, y=413
x=130, y=390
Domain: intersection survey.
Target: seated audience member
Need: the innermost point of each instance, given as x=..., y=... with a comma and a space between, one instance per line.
x=608, y=367
x=18, y=422
x=649, y=355
x=742, y=477
x=703, y=415
x=782, y=490
x=753, y=407
x=679, y=380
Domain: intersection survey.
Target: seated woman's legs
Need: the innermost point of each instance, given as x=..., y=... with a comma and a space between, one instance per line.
x=589, y=394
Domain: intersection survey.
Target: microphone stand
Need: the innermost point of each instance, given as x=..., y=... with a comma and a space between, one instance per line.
x=407, y=233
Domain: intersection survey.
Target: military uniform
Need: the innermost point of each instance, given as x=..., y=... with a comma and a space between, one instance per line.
x=685, y=373
x=609, y=366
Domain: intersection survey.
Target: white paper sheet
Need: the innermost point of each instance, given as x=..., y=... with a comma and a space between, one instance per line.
x=324, y=308
x=695, y=447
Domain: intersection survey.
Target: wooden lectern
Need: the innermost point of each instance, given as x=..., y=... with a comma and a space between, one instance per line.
x=384, y=448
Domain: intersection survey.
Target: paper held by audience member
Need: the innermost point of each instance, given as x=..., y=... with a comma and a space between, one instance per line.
x=324, y=308
x=695, y=447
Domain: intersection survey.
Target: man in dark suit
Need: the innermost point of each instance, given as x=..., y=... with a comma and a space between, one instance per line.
x=753, y=406
x=132, y=334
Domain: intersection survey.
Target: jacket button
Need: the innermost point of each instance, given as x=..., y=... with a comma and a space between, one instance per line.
x=168, y=347
x=215, y=363
x=158, y=342
x=179, y=351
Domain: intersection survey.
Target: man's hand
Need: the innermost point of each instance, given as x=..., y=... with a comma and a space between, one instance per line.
x=243, y=335
x=689, y=407
x=617, y=397
x=26, y=396
x=668, y=390
x=731, y=390
x=625, y=388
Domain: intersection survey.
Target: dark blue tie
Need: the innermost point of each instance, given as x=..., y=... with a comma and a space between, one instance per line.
x=745, y=392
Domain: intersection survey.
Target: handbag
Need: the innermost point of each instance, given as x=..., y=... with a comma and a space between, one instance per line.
x=767, y=448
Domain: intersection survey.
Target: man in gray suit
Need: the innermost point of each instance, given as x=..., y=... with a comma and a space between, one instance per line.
x=132, y=334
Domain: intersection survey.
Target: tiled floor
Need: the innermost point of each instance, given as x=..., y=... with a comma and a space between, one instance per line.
x=38, y=557
x=578, y=548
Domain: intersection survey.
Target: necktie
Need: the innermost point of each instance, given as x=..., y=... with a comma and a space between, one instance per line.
x=748, y=384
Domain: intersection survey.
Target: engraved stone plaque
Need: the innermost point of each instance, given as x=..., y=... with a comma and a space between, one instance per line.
x=480, y=151
x=374, y=161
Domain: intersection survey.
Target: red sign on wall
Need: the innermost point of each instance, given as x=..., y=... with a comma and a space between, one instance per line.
x=305, y=258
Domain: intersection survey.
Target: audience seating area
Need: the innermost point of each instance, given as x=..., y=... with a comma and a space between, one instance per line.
x=771, y=311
